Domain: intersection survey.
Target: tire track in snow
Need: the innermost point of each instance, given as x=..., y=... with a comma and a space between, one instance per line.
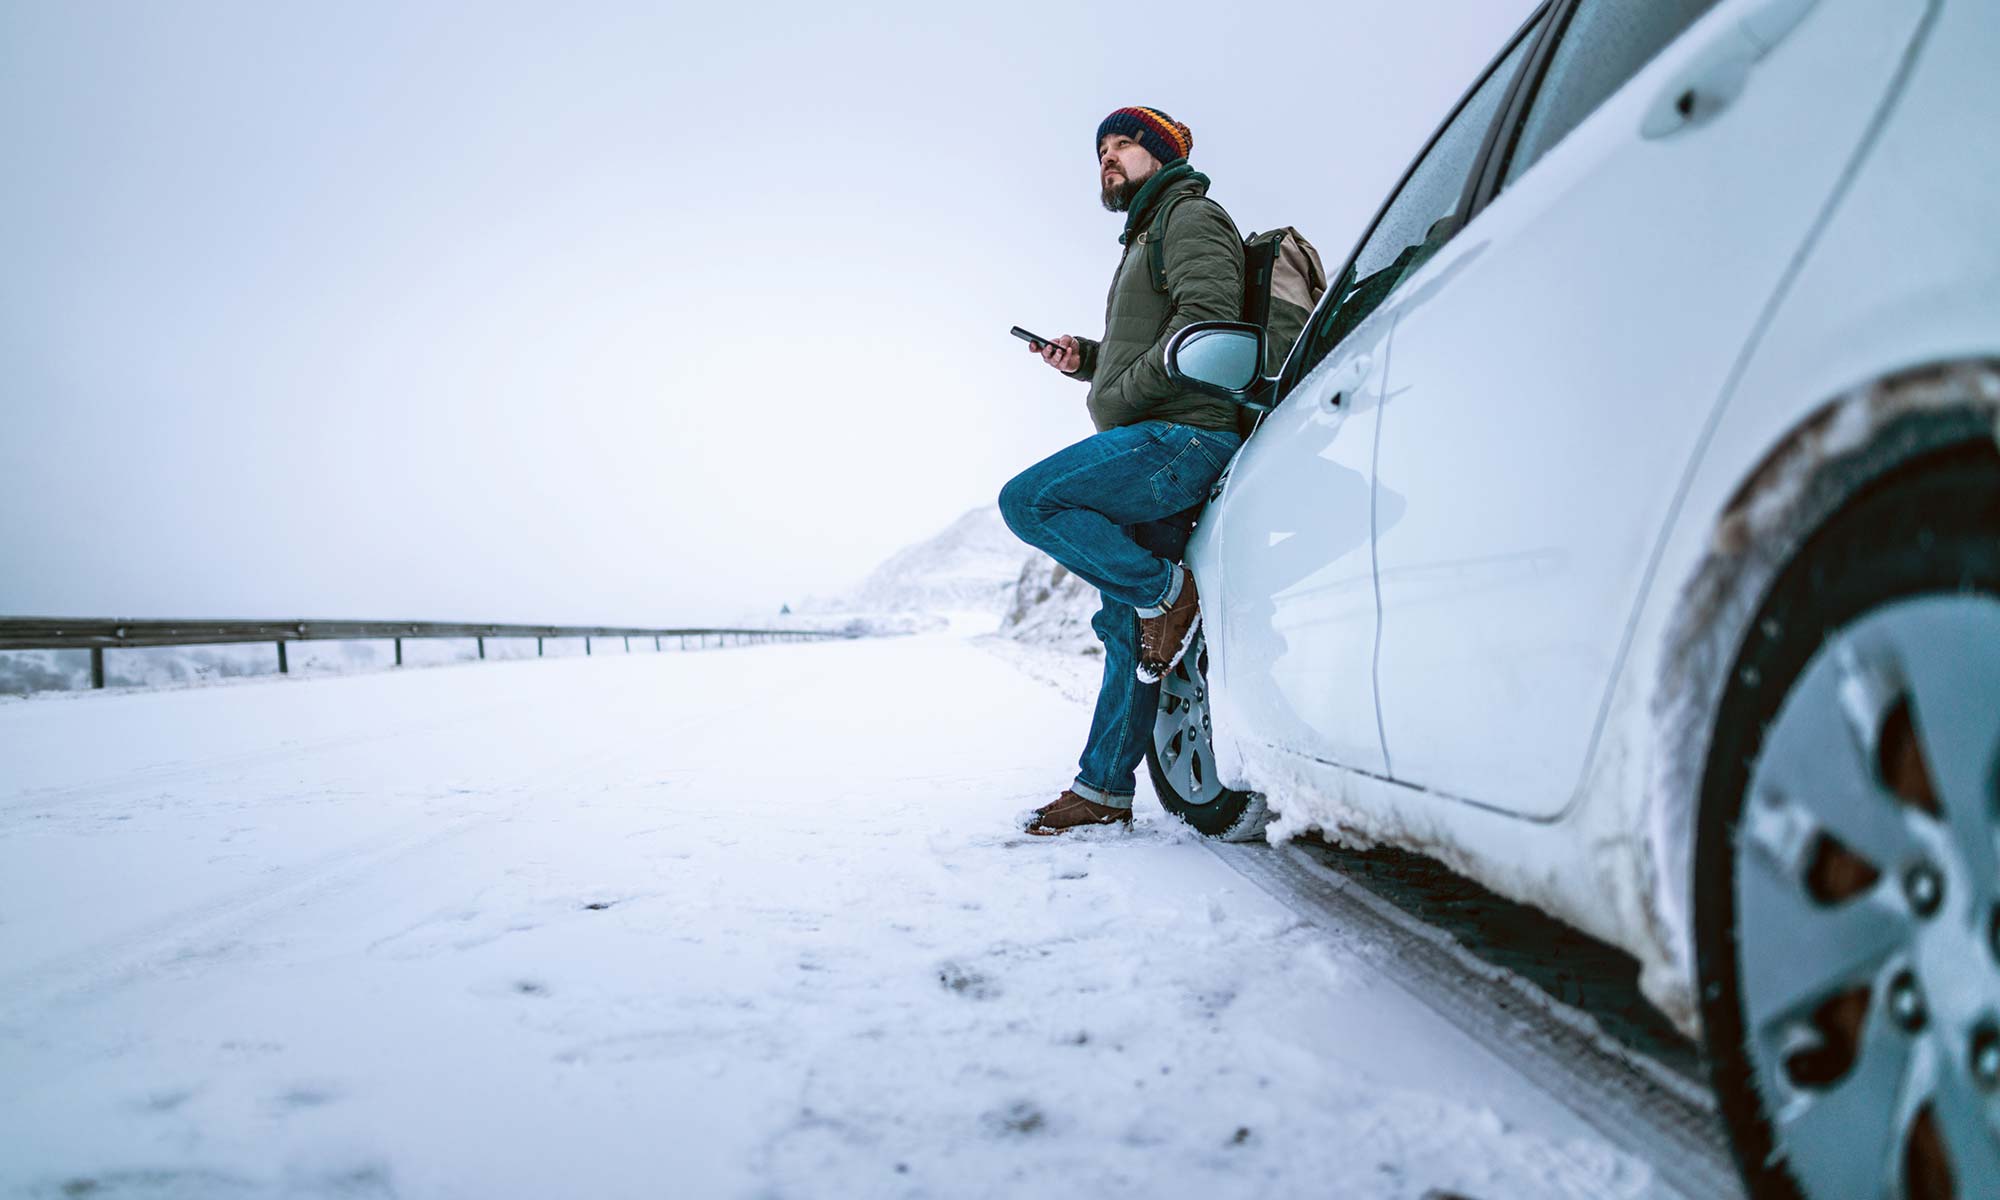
x=203, y=931
x=157, y=774
x=1644, y=1108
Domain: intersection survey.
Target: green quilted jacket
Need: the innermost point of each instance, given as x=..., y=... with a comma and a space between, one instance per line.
x=1127, y=369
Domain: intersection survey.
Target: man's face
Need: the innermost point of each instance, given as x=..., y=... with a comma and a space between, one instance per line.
x=1123, y=166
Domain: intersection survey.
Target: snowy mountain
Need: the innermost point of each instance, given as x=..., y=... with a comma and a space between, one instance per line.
x=972, y=565
x=977, y=565
x=1052, y=607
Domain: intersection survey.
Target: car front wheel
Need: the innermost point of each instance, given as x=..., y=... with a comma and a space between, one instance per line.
x=1181, y=757
x=1847, y=860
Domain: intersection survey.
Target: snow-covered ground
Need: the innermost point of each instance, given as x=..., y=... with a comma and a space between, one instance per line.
x=746, y=923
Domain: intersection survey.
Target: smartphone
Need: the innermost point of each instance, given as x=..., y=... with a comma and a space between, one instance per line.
x=1033, y=339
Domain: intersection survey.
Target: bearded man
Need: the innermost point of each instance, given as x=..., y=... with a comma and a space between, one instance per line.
x=1116, y=508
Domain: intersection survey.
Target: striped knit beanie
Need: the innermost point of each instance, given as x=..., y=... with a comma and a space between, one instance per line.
x=1163, y=137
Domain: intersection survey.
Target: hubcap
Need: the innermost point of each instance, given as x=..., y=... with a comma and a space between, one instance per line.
x=1868, y=907
x=1182, y=735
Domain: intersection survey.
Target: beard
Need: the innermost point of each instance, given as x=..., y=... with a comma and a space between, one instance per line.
x=1118, y=193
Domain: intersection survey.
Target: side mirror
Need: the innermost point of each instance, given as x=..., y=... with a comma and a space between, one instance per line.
x=1222, y=358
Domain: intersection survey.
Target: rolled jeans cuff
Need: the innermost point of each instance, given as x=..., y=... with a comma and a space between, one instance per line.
x=1099, y=796
x=1175, y=574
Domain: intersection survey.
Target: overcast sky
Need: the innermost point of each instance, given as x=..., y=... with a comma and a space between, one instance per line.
x=602, y=312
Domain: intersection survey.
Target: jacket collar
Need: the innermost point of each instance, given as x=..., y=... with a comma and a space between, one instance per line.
x=1167, y=179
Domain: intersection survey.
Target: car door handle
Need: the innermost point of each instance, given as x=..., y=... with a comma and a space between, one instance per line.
x=1346, y=378
x=1717, y=75
x=1773, y=21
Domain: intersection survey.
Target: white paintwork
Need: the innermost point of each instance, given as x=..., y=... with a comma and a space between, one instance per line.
x=1918, y=225
x=1906, y=271
x=1296, y=612
x=1552, y=370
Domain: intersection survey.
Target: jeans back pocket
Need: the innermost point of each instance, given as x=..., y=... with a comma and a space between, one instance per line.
x=1185, y=480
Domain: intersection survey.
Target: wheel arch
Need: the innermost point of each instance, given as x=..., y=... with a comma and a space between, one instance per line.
x=1867, y=437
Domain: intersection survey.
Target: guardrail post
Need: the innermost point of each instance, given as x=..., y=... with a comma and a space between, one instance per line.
x=628, y=645
x=656, y=643
x=586, y=645
x=284, y=668
x=538, y=647
x=97, y=666
x=482, y=646
x=399, y=652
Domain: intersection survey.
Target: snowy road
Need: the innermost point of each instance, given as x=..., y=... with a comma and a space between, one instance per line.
x=741, y=923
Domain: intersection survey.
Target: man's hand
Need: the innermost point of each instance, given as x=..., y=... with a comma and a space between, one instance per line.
x=1063, y=354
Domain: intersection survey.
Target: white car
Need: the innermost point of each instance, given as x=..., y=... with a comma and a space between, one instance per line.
x=1626, y=534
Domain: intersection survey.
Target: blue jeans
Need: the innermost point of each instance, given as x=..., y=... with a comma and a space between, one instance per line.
x=1116, y=510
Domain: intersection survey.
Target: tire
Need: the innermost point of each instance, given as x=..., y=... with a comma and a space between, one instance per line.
x=1181, y=757
x=1842, y=982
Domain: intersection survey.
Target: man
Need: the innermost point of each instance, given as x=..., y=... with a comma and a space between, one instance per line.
x=1117, y=508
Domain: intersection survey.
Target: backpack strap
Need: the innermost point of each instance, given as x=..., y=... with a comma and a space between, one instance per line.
x=1156, y=239
x=1260, y=258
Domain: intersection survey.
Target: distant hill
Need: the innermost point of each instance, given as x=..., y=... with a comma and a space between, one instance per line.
x=1052, y=607
x=972, y=565
x=976, y=565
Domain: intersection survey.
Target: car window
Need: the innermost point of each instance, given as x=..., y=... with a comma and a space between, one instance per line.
x=1421, y=219
x=1605, y=43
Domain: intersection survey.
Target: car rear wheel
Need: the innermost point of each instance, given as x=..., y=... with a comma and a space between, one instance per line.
x=1181, y=757
x=1847, y=890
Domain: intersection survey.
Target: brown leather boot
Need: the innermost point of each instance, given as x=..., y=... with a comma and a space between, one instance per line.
x=1070, y=810
x=1165, y=638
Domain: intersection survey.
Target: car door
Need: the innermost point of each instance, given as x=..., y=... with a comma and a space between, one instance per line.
x=1295, y=626
x=1552, y=376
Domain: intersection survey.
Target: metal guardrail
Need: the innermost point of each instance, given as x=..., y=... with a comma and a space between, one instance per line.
x=99, y=634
